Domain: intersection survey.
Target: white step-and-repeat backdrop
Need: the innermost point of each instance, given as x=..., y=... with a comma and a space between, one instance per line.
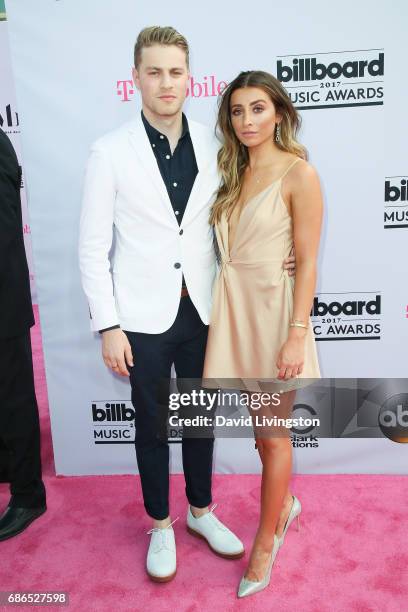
x=343, y=66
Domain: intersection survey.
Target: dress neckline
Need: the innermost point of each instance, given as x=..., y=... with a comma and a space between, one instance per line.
x=250, y=200
x=272, y=183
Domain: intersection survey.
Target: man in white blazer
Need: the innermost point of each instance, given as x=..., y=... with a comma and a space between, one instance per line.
x=149, y=186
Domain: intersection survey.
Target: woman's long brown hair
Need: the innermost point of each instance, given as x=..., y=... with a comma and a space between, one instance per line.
x=233, y=156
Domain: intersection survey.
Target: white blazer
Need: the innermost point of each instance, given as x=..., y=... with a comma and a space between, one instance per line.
x=130, y=242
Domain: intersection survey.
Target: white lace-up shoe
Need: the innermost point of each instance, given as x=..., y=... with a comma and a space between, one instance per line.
x=218, y=537
x=161, y=557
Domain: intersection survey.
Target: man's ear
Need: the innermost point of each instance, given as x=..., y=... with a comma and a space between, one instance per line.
x=135, y=76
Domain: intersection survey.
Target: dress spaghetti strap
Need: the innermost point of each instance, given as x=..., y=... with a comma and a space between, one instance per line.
x=289, y=167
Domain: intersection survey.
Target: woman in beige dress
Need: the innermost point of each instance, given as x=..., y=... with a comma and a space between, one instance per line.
x=269, y=200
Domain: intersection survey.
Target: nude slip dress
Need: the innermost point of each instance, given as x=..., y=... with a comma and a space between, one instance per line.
x=253, y=300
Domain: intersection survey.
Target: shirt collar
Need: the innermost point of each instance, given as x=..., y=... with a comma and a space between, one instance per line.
x=154, y=135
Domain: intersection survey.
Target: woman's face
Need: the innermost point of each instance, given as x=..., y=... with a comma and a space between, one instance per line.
x=253, y=116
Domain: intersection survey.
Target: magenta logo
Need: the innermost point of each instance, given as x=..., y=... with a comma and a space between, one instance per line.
x=208, y=87
x=125, y=89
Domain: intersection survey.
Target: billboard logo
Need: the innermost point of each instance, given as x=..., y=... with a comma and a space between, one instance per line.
x=333, y=79
x=395, y=202
x=347, y=316
x=9, y=119
x=113, y=422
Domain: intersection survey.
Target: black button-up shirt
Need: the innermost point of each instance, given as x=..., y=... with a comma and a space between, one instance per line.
x=178, y=170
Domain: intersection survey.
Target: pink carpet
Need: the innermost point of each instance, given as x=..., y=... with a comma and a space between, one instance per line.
x=350, y=555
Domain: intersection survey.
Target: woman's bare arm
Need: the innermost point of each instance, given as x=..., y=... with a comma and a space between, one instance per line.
x=307, y=212
x=306, y=207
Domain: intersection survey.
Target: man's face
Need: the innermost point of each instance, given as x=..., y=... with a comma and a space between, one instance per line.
x=162, y=78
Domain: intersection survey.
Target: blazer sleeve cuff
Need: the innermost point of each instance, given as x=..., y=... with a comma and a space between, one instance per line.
x=103, y=318
x=109, y=328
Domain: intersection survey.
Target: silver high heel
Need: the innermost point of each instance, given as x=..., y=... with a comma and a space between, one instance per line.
x=249, y=587
x=294, y=513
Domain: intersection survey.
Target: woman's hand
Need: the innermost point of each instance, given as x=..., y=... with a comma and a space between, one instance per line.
x=292, y=354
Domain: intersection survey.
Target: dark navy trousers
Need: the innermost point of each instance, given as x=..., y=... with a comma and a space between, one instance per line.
x=153, y=355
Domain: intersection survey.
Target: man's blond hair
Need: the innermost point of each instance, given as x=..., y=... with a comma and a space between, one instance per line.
x=157, y=35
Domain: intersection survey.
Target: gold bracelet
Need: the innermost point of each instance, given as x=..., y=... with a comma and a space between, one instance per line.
x=297, y=324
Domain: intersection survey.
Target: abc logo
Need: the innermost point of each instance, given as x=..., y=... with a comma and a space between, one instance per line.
x=393, y=418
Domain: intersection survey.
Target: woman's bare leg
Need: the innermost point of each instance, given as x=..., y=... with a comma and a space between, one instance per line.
x=275, y=450
x=287, y=502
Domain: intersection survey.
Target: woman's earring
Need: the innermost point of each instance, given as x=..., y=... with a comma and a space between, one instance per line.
x=278, y=133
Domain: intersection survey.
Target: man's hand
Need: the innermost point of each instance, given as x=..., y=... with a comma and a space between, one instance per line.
x=116, y=351
x=289, y=263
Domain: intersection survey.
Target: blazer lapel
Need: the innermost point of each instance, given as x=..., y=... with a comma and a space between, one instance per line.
x=147, y=159
x=203, y=159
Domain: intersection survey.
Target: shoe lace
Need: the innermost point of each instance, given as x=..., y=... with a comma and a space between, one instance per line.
x=163, y=532
x=214, y=520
